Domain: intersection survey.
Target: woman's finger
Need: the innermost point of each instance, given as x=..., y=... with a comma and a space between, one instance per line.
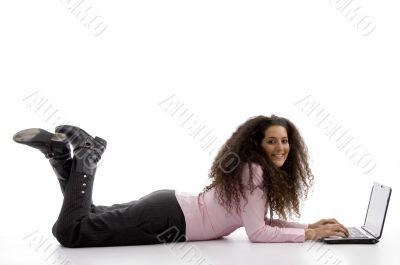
x=344, y=229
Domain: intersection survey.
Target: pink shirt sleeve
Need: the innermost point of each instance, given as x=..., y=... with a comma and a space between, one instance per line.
x=253, y=215
x=282, y=223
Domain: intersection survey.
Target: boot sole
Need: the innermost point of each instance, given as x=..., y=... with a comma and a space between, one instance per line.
x=31, y=136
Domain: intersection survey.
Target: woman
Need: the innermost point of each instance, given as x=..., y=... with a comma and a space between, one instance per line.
x=262, y=167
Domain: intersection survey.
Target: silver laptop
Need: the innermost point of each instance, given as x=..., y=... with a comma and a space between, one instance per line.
x=371, y=231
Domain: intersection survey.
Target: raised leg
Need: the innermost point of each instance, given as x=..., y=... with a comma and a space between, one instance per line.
x=153, y=219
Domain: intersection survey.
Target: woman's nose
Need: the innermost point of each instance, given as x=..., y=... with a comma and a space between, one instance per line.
x=279, y=146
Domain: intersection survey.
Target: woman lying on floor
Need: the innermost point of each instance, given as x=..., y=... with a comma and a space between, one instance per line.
x=263, y=167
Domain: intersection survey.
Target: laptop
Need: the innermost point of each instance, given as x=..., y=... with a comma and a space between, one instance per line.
x=371, y=231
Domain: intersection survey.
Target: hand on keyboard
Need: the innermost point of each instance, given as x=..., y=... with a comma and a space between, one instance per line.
x=326, y=231
x=354, y=232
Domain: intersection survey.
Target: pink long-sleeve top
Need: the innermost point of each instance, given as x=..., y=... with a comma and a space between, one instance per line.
x=206, y=219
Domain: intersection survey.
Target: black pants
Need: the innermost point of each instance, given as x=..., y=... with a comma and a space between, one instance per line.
x=153, y=219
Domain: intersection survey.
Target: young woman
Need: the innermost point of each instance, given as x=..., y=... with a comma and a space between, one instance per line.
x=263, y=167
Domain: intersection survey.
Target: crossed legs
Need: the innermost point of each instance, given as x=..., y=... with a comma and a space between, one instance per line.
x=153, y=219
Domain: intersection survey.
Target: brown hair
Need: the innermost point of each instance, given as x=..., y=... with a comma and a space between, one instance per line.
x=284, y=186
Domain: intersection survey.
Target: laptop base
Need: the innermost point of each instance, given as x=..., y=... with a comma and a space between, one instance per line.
x=350, y=240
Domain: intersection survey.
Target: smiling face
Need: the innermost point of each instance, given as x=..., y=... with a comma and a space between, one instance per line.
x=276, y=144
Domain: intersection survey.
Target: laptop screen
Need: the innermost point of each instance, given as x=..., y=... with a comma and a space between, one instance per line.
x=377, y=208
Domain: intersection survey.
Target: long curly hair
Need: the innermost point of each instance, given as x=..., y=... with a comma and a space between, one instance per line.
x=285, y=186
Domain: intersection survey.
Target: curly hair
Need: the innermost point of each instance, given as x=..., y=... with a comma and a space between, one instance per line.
x=285, y=186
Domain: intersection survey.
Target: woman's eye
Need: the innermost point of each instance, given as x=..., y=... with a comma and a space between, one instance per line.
x=274, y=142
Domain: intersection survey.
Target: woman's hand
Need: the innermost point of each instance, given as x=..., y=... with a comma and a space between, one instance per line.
x=325, y=228
x=326, y=231
x=323, y=222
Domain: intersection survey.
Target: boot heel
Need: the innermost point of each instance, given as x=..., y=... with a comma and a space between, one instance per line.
x=59, y=137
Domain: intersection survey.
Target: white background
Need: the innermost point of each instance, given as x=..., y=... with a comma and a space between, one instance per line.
x=225, y=61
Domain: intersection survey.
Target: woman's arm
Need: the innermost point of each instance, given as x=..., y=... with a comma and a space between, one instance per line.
x=315, y=231
x=253, y=213
x=282, y=223
x=258, y=230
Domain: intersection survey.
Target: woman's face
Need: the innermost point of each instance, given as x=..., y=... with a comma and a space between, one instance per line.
x=276, y=144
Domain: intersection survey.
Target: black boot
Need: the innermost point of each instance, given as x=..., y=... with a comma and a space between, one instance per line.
x=85, y=147
x=55, y=147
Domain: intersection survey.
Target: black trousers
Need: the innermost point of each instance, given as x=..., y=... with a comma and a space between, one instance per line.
x=153, y=219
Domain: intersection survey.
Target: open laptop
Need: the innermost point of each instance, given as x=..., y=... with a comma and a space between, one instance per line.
x=371, y=231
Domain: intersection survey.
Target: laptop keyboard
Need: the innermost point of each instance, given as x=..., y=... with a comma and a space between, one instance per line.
x=354, y=232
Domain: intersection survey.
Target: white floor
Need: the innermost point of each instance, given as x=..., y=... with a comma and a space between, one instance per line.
x=41, y=248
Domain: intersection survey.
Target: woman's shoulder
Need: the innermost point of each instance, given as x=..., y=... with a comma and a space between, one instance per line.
x=255, y=168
